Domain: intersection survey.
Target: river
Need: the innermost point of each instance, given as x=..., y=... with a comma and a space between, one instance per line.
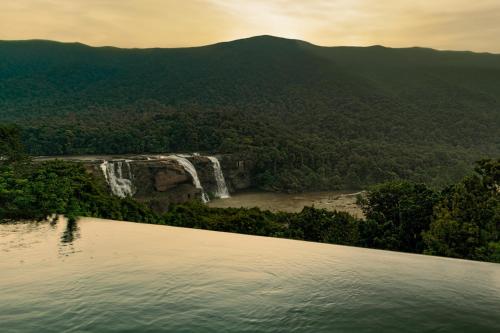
x=338, y=200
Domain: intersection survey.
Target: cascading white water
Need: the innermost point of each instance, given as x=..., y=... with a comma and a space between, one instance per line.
x=222, y=191
x=122, y=187
x=189, y=167
x=113, y=173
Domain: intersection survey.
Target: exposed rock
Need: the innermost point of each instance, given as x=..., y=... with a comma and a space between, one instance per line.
x=165, y=180
x=205, y=171
x=160, y=182
x=238, y=172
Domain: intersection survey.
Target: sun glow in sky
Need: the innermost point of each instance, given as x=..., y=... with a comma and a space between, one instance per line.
x=441, y=24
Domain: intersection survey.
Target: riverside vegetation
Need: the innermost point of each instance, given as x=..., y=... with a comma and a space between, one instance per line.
x=460, y=221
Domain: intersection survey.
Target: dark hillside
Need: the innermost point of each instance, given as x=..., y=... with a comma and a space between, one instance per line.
x=313, y=117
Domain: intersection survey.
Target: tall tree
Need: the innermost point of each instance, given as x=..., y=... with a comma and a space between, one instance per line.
x=397, y=213
x=11, y=148
x=467, y=220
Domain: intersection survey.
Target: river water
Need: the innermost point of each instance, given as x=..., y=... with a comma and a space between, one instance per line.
x=106, y=276
x=344, y=201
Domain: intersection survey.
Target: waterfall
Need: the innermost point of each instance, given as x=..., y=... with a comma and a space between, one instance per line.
x=119, y=184
x=189, y=167
x=222, y=191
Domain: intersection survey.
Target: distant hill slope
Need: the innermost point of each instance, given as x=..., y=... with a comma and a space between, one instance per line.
x=312, y=117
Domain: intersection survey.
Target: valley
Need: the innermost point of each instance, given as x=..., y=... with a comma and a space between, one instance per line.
x=309, y=118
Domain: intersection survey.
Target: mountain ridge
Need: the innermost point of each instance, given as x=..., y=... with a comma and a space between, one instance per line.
x=252, y=38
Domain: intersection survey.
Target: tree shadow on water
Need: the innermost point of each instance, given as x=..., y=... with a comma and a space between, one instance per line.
x=70, y=234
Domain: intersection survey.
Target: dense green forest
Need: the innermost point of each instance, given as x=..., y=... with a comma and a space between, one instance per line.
x=312, y=117
x=461, y=221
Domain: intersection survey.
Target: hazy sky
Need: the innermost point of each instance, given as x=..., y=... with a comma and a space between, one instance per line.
x=442, y=24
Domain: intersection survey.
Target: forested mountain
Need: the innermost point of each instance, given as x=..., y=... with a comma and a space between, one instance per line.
x=312, y=117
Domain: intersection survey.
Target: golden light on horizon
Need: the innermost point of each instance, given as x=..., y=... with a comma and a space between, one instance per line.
x=444, y=24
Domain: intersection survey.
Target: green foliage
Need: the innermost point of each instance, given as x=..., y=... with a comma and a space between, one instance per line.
x=39, y=190
x=320, y=225
x=397, y=213
x=247, y=221
x=311, y=117
x=317, y=225
x=11, y=148
x=467, y=220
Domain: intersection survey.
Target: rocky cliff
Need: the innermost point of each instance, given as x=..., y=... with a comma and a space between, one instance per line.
x=162, y=180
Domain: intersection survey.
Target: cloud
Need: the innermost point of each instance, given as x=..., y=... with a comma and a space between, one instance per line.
x=443, y=24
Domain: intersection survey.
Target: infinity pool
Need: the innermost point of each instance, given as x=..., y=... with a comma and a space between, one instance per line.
x=107, y=276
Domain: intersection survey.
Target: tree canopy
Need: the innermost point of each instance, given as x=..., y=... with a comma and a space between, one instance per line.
x=311, y=117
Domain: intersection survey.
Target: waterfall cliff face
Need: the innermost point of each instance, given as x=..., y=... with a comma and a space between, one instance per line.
x=119, y=181
x=169, y=179
x=189, y=167
x=222, y=191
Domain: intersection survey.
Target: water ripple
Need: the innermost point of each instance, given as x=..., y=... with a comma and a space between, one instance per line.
x=103, y=276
